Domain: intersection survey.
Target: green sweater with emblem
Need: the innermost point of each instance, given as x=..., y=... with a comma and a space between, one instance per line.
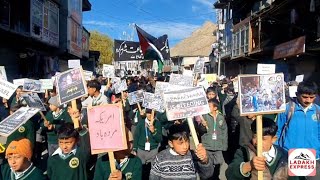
x=56, y=120
x=140, y=135
x=131, y=170
x=33, y=173
x=74, y=166
x=25, y=131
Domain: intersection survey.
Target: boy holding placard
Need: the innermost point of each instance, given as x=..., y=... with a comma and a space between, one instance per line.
x=246, y=163
x=69, y=161
x=54, y=118
x=178, y=162
x=128, y=165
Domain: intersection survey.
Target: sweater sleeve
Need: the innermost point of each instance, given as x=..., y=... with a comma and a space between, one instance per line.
x=205, y=171
x=234, y=171
x=225, y=135
x=155, y=170
x=99, y=172
x=137, y=134
x=137, y=169
x=157, y=135
x=85, y=143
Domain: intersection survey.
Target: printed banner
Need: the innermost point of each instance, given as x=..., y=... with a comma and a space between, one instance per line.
x=181, y=80
x=185, y=103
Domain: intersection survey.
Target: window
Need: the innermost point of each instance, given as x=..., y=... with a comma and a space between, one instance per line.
x=240, y=40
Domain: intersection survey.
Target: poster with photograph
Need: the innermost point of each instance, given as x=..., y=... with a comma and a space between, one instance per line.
x=261, y=94
x=3, y=74
x=120, y=86
x=150, y=101
x=71, y=85
x=135, y=97
x=198, y=67
x=108, y=71
x=32, y=85
x=14, y=121
x=33, y=101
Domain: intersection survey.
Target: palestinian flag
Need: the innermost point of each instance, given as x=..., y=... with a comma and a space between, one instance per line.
x=154, y=48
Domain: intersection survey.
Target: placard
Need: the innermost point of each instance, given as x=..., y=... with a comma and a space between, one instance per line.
x=88, y=75
x=7, y=89
x=19, y=82
x=187, y=72
x=108, y=71
x=3, y=74
x=292, y=91
x=71, y=85
x=74, y=63
x=14, y=121
x=162, y=87
x=32, y=85
x=119, y=87
x=135, y=97
x=186, y=103
x=107, y=129
x=150, y=101
x=46, y=83
x=299, y=78
x=210, y=77
x=198, y=67
x=236, y=85
x=266, y=68
x=261, y=94
x=181, y=80
x=33, y=101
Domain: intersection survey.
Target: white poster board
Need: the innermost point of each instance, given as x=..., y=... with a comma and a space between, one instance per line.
x=181, y=80
x=292, y=91
x=19, y=82
x=74, y=63
x=108, y=71
x=7, y=89
x=266, y=69
x=299, y=78
x=46, y=83
x=3, y=74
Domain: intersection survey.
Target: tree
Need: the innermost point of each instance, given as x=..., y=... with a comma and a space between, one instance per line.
x=102, y=43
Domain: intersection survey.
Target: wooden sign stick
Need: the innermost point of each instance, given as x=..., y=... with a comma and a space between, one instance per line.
x=193, y=132
x=74, y=107
x=139, y=107
x=112, y=161
x=152, y=116
x=43, y=117
x=259, y=142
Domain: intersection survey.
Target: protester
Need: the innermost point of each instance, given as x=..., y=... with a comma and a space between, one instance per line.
x=95, y=96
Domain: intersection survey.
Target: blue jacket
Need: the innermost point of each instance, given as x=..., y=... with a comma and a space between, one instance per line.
x=303, y=130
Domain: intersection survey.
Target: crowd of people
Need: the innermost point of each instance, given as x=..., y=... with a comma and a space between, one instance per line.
x=52, y=148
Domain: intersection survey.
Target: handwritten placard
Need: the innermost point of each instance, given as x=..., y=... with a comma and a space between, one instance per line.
x=198, y=67
x=46, y=83
x=135, y=97
x=3, y=74
x=33, y=101
x=119, y=87
x=71, y=85
x=32, y=85
x=74, y=63
x=7, y=89
x=107, y=129
x=185, y=103
x=181, y=80
x=14, y=121
x=108, y=71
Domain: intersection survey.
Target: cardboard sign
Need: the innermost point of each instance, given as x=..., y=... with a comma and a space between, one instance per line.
x=266, y=69
x=261, y=94
x=107, y=129
x=162, y=87
x=292, y=91
x=115, y=80
x=33, y=101
x=186, y=103
x=150, y=101
x=210, y=77
x=198, y=67
x=299, y=78
x=7, y=89
x=181, y=80
x=19, y=82
x=71, y=85
x=14, y=121
x=74, y=63
x=108, y=71
x=135, y=97
x=3, y=74
x=46, y=83
x=119, y=87
x=202, y=82
x=88, y=75
x=32, y=85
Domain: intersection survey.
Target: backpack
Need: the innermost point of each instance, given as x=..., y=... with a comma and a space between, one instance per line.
x=289, y=116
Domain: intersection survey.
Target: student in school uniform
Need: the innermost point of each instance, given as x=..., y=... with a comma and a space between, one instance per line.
x=129, y=166
x=96, y=98
x=69, y=161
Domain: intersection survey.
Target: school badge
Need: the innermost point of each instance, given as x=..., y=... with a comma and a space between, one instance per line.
x=74, y=162
x=21, y=129
x=220, y=122
x=128, y=176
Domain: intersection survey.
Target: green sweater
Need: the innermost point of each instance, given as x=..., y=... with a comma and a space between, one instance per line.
x=74, y=166
x=31, y=174
x=140, y=135
x=221, y=143
x=56, y=120
x=24, y=131
x=131, y=170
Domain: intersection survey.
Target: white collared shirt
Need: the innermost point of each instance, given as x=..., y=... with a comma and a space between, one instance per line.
x=64, y=156
x=20, y=174
x=270, y=155
x=173, y=152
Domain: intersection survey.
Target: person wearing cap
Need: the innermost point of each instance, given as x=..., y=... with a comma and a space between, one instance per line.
x=20, y=167
x=69, y=161
x=55, y=117
x=128, y=165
